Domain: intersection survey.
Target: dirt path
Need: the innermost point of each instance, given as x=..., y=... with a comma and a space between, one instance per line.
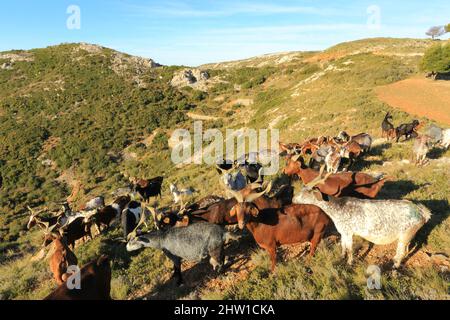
x=201, y=117
x=419, y=96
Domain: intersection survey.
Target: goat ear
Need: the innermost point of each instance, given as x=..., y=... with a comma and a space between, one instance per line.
x=254, y=211
x=185, y=220
x=318, y=195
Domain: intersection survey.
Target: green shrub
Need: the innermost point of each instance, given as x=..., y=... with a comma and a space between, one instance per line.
x=437, y=59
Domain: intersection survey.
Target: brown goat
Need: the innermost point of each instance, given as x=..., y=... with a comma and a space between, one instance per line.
x=355, y=184
x=274, y=227
x=219, y=213
x=61, y=259
x=95, y=283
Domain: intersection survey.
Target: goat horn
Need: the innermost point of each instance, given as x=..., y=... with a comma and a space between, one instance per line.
x=221, y=170
x=237, y=195
x=296, y=157
x=253, y=196
x=254, y=185
x=319, y=179
x=153, y=213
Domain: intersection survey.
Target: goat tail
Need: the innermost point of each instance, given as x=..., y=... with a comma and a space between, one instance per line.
x=424, y=212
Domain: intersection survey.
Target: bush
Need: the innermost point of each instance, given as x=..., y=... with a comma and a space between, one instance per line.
x=437, y=59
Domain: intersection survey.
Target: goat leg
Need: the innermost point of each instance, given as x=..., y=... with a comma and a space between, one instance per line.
x=176, y=267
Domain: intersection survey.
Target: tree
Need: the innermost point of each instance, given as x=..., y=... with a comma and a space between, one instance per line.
x=437, y=59
x=447, y=28
x=435, y=32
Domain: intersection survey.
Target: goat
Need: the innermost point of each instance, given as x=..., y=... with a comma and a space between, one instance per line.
x=421, y=147
x=78, y=228
x=219, y=213
x=378, y=221
x=445, y=143
x=179, y=194
x=131, y=216
x=290, y=148
x=387, y=128
x=104, y=216
x=202, y=210
x=356, y=184
x=96, y=203
x=224, y=165
x=274, y=227
x=363, y=139
x=148, y=188
x=252, y=172
x=350, y=150
x=95, y=283
x=204, y=203
x=61, y=259
x=318, y=156
x=232, y=180
x=43, y=222
x=333, y=160
x=407, y=129
x=309, y=147
x=192, y=243
x=168, y=219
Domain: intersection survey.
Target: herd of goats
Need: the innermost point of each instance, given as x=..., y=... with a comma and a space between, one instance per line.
x=331, y=195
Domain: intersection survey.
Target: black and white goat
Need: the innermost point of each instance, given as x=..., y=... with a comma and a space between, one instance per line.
x=132, y=216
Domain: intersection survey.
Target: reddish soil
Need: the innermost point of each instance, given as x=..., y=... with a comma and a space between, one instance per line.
x=419, y=96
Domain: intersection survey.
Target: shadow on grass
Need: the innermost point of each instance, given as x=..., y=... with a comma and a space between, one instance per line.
x=378, y=150
x=362, y=164
x=117, y=252
x=440, y=211
x=436, y=153
x=398, y=189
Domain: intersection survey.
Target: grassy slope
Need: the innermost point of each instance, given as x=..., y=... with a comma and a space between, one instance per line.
x=307, y=95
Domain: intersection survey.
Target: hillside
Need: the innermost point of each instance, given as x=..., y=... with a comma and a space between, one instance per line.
x=87, y=117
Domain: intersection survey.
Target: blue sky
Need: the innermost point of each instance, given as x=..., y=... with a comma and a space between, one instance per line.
x=197, y=32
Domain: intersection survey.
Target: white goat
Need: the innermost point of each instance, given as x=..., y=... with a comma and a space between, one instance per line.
x=378, y=221
x=178, y=195
x=96, y=203
x=445, y=138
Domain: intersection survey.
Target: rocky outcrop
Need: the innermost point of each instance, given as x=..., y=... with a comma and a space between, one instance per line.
x=14, y=57
x=122, y=63
x=195, y=78
x=6, y=66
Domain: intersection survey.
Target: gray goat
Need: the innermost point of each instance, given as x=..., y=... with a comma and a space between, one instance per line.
x=193, y=243
x=378, y=221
